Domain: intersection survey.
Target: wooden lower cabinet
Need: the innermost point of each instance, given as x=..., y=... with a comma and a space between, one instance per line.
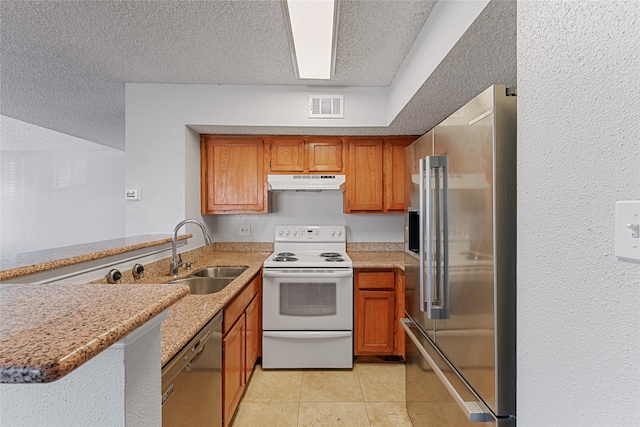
x=376, y=313
x=374, y=322
x=253, y=321
x=241, y=343
x=233, y=368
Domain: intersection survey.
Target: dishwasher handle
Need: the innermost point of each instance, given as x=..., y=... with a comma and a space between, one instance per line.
x=196, y=351
x=194, y=359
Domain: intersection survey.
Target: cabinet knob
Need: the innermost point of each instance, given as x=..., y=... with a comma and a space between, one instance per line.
x=113, y=276
x=137, y=271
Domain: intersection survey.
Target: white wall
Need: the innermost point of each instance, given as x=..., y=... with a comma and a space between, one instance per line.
x=163, y=156
x=57, y=190
x=578, y=152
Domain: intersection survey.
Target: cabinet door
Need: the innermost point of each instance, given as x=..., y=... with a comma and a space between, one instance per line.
x=253, y=335
x=364, y=176
x=286, y=154
x=375, y=280
x=324, y=154
x=233, y=370
x=394, y=172
x=399, y=332
x=232, y=175
x=374, y=326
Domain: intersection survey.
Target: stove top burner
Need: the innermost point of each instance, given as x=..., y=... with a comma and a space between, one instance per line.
x=330, y=254
x=286, y=254
x=285, y=259
x=334, y=259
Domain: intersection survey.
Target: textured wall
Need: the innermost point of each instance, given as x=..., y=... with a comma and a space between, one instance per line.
x=118, y=387
x=163, y=158
x=578, y=152
x=74, y=400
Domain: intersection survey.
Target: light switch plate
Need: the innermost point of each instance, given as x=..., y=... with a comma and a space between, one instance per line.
x=628, y=230
x=132, y=194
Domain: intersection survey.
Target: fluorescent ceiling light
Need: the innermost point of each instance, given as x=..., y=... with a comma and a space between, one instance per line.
x=312, y=26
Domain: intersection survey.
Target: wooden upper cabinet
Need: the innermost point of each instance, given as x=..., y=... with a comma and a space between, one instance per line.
x=394, y=172
x=232, y=175
x=375, y=174
x=324, y=154
x=286, y=154
x=305, y=154
x=364, y=175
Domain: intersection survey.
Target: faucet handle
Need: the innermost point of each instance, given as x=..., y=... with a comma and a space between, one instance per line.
x=180, y=263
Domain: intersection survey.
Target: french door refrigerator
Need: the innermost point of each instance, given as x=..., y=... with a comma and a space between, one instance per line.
x=460, y=254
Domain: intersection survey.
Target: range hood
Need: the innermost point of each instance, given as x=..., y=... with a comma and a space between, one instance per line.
x=305, y=182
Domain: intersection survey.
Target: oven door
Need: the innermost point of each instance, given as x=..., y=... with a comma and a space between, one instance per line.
x=307, y=299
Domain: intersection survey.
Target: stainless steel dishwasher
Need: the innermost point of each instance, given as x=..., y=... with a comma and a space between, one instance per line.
x=192, y=381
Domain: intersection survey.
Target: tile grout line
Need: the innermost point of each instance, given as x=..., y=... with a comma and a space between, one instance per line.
x=300, y=398
x=364, y=401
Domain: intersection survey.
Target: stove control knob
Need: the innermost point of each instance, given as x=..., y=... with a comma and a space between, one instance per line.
x=339, y=232
x=281, y=232
x=295, y=232
x=288, y=232
x=333, y=232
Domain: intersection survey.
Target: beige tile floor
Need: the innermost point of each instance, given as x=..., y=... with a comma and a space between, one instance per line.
x=370, y=394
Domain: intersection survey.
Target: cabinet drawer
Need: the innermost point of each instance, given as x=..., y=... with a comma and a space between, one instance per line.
x=375, y=280
x=236, y=307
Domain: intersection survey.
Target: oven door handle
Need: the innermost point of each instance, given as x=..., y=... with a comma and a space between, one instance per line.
x=307, y=274
x=306, y=334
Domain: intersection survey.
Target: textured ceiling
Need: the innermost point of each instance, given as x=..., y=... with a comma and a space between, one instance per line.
x=65, y=63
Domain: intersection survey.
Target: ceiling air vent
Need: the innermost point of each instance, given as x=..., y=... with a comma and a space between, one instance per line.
x=326, y=106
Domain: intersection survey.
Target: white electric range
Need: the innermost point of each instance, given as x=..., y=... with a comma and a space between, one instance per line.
x=307, y=292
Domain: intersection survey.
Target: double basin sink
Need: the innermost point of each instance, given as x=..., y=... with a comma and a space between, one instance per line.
x=210, y=280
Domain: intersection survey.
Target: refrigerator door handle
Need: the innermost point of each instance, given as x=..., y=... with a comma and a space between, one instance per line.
x=473, y=410
x=424, y=216
x=434, y=206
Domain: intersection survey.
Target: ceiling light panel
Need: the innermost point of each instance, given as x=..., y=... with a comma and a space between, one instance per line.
x=312, y=27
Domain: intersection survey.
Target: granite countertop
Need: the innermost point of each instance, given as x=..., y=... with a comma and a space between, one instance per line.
x=192, y=313
x=372, y=259
x=16, y=265
x=47, y=331
x=137, y=301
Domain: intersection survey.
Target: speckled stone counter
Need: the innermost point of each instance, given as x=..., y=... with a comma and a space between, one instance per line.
x=47, y=331
x=193, y=312
x=22, y=264
x=377, y=259
x=190, y=314
x=376, y=254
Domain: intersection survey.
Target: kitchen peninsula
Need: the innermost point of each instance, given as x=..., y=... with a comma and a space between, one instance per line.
x=90, y=344
x=26, y=311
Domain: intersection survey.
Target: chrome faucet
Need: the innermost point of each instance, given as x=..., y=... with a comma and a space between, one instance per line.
x=176, y=260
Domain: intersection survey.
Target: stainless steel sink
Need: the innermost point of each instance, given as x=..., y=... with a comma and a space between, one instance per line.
x=220, y=272
x=205, y=285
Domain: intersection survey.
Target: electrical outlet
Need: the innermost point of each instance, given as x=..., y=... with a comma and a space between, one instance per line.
x=245, y=229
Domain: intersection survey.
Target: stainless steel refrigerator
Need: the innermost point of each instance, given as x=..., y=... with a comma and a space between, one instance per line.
x=460, y=267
